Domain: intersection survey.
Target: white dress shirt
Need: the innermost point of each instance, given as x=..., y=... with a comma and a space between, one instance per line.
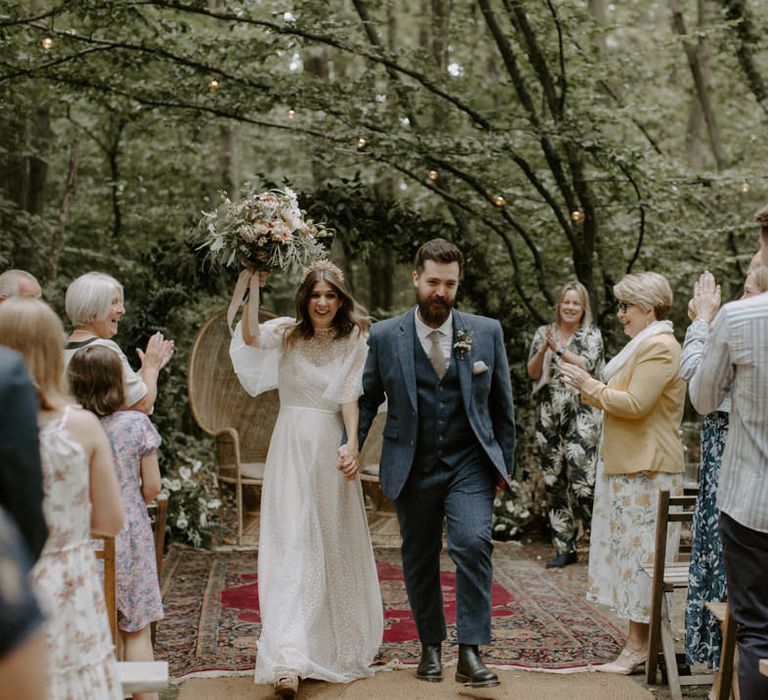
x=446, y=335
x=736, y=359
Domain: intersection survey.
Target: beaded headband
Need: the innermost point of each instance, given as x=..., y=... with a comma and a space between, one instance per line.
x=323, y=265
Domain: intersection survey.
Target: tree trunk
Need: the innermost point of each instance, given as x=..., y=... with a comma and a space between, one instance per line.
x=57, y=242
x=698, y=71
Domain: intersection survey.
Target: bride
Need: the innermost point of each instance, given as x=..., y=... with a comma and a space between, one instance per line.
x=319, y=595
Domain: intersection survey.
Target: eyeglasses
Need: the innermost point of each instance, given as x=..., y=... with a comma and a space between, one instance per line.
x=623, y=306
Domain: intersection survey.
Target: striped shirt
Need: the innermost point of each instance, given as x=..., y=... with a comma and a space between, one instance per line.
x=736, y=358
x=693, y=350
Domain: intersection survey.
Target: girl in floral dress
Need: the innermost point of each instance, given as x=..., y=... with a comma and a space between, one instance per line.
x=95, y=376
x=81, y=495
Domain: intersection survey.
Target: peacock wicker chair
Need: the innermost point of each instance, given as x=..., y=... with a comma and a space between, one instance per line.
x=241, y=424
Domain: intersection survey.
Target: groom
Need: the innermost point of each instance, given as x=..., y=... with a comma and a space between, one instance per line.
x=448, y=440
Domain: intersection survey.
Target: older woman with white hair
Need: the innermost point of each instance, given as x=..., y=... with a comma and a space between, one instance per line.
x=641, y=454
x=94, y=305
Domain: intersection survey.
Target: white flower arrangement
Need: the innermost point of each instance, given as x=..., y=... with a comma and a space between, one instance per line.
x=193, y=502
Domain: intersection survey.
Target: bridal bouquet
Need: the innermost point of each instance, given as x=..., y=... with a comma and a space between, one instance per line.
x=265, y=231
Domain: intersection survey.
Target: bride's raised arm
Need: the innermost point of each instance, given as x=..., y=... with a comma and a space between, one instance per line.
x=251, y=337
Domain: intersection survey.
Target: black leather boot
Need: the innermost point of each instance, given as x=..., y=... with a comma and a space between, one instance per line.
x=471, y=670
x=562, y=560
x=430, y=667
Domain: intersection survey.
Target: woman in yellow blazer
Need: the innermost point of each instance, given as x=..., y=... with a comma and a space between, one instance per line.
x=640, y=455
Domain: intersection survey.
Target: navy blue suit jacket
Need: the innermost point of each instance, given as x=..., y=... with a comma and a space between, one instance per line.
x=485, y=386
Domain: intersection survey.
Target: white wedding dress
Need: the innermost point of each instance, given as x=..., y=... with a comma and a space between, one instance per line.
x=321, y=611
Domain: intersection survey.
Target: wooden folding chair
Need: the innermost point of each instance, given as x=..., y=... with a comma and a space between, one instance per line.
x=107, y=554
x=667, y=577
x=727, y=686
x=158, y=513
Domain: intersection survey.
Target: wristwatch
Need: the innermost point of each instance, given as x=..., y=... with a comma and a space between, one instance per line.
x=560, y=351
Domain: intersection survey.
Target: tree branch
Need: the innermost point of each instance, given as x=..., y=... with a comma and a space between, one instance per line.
x=394, y=76
x=738, y=13
x=361, y=51
x=526, y=100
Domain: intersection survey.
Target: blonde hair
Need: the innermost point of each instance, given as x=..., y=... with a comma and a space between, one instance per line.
x=648, y=290
x=581, y=290
x=759, y=275
x=30, y=327
x=10, y=282
x=89, y=297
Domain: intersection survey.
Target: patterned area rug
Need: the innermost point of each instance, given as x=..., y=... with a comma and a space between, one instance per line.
x=212, y=616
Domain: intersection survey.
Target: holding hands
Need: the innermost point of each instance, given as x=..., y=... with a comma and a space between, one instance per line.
x=706, y=298
x=349, y=460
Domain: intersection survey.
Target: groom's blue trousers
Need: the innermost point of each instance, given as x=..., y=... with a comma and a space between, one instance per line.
x=462, y=496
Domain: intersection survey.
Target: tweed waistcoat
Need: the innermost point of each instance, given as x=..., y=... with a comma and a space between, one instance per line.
x=444, y=432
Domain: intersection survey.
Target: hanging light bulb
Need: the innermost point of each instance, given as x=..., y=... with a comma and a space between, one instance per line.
x=745, y=186
x=498, y=201
x=214, y=85
x=47, y=43
x=291, y=114
x=577, y=216
x=361, y=142
x=432, y=175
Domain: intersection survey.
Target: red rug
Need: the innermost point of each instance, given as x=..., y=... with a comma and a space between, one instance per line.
x=212, y=616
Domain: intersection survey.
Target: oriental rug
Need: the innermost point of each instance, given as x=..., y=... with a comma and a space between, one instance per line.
x=212, y=616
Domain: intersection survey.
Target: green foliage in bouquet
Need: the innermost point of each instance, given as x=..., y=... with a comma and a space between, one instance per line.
x=266, y=230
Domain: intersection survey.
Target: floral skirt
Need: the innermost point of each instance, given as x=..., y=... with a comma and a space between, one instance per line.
x=623, y=539
x=706, y=578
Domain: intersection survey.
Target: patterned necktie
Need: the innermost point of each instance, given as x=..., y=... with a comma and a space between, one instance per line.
x=436, y=356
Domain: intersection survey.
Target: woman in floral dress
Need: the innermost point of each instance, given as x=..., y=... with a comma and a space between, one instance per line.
x=641, y=454
x=319, y=595
x=81, y=495
x=567, y=430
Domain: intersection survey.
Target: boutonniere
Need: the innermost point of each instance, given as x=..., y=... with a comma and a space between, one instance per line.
x=463, y=343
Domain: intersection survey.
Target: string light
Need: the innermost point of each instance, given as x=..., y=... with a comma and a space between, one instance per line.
x=498, y=201
x=745, y=186
x=577, y=216
x=214, y=85
x=432, y=175
x=291, y=114
x=47, y=43
x=361, y=142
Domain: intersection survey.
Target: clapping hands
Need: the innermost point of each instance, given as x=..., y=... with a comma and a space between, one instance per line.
x=573, y=375
x=349, y=460
x=706, y=298
x=158, y=353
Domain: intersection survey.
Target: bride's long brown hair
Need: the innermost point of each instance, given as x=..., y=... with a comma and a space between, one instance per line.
x=350, y=315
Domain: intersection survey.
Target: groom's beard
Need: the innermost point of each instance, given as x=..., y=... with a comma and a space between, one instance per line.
x=434, y=310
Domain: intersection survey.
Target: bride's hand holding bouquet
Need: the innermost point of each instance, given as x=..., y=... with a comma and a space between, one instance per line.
x=261, y=233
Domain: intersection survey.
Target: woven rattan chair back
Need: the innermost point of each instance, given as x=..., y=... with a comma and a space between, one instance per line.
x=242, y=424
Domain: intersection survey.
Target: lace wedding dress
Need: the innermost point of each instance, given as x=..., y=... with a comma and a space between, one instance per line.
x=319, y=597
